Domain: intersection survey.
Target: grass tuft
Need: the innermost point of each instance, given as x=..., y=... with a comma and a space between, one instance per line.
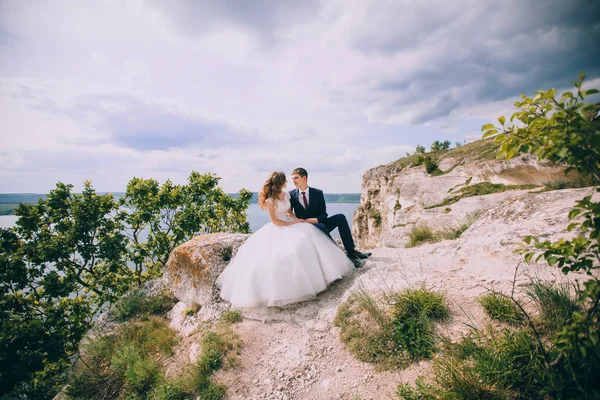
x=193, y=310
x=501, y=308
x=424, y=234
x=579, y=182
x=231, y=316
x=480, y=189
x=421, y=234
x=554, y=302
x=394, y=332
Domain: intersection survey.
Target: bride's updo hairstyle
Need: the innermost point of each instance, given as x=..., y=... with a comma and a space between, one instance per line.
x=271, y=188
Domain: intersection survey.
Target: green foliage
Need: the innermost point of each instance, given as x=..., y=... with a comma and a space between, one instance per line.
x=217, y=348
x=71, y=255
x=193, y=310
x=564, y=363
x=376, y=217
x=457, y=144
x=480, y=189
x=136, y=304
x=501, y=308
x=414, y=312
x=420, y=149
x=438, y=146
x=555, y=303
x=431, y=166
x=421, y=391
x=397, y=206
x=421, y=234
x=172, y=214
x=395, y=335
x=579, y=182
x=563, y=130
x=123, y=363
x=419, y=160
x=566, y=130
x=231, y=316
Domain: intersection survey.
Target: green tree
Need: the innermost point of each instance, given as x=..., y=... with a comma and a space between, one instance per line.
x=565, y=130
x=437, y=145
x=71, y=255
x=420, y=149
x=172, y=214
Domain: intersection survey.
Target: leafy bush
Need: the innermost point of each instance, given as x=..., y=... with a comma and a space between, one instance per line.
x=71, y=255
x=431, y=166
x=438, y=146
x=501, y=308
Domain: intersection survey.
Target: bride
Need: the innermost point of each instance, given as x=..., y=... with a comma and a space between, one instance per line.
x=286, y=261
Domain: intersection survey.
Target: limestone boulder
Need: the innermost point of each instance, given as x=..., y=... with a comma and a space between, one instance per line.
x=193, y=267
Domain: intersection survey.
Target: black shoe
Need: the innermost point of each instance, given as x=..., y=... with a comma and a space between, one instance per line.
x=357, y=255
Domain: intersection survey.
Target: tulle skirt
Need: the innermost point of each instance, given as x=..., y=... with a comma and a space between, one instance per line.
x=280, y=265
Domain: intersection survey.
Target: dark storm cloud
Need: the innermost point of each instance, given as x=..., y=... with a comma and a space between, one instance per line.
x=485, y=51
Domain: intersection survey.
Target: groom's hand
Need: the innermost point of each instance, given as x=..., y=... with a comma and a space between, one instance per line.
x=312, y=220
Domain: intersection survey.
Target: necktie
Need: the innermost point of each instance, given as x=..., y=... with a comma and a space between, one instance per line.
x=304, y=199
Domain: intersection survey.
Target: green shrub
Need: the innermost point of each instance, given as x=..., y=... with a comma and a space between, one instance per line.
x=501, y=308
x=419, y=160
x=431, y=166
x=136, y=304
x=123, y=363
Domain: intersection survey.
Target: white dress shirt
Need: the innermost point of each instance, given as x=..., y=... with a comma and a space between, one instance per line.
x=300, y=197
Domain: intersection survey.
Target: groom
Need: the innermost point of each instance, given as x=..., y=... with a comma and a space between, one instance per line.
x=309, y=204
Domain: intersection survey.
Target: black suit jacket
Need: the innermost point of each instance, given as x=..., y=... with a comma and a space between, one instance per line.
x=316, y=205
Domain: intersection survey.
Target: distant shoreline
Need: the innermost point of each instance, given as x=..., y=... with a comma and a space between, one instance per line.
x=9, y=201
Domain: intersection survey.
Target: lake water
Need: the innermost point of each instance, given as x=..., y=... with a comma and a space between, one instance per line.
x=256, y=217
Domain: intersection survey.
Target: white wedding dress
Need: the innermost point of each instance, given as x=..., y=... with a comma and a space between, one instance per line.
x=280, y=265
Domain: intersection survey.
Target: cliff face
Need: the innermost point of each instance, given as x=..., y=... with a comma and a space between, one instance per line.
x=400, y=195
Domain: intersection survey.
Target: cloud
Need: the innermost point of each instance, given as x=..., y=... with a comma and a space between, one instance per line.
x=264, y=19
x=107, y=90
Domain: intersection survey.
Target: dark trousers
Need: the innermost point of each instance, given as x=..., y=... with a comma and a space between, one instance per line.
x=338, y=221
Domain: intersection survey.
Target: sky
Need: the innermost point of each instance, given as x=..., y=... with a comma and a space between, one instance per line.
x=106, y=90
